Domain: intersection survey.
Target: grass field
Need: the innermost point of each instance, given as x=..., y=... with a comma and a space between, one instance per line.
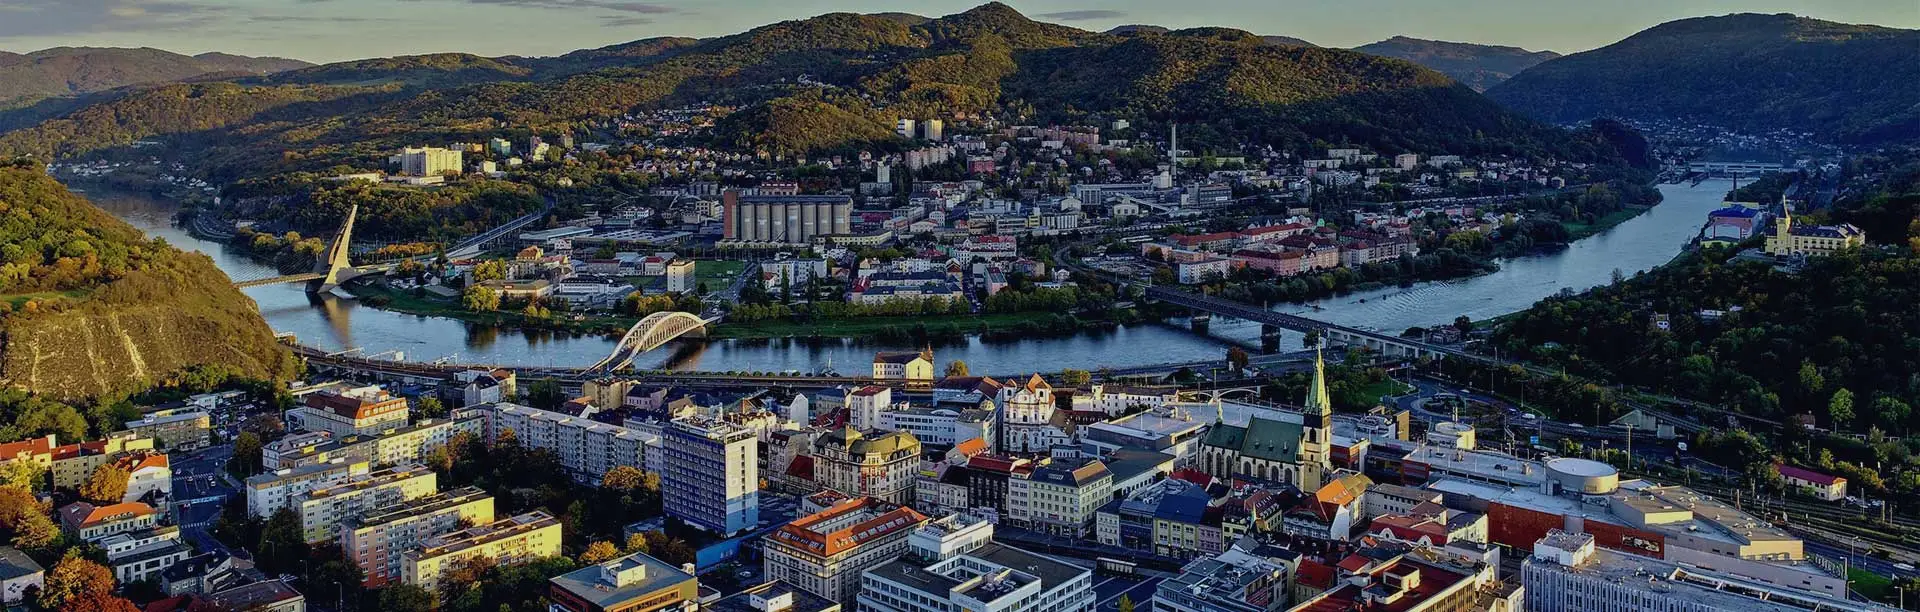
x=717, y=273
x=16, y=300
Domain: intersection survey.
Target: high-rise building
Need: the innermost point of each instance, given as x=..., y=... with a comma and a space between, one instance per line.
x=784, y=219
x=530, y=536
x=709, y=475
x=429, y=161
x=825, y=552
x=1060, y=497
x=953, y=564
x=403, y=444
x=680, y=276
x=268, y=493
x=903, y=127
x=933, y=129
x=323, y=511
x=378, y=538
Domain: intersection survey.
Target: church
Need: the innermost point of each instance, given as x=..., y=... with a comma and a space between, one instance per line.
x=1289, y=448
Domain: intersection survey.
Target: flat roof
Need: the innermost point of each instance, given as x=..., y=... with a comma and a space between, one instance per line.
x=1699, y=586
x=803, y=600
x=589, y=583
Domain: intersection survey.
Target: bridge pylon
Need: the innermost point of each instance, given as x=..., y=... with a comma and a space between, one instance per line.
x=335, y=265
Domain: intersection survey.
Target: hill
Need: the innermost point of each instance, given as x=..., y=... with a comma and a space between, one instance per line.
x=1479, y=66
x=1230, y=85
x=1844, y=83
x=89, y=306
x=68, y=71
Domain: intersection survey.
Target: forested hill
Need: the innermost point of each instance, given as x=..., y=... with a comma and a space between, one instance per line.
x=89, y=306
x=1844, y=83
x=66, y=71
x=1479, y=66
x=863, y=71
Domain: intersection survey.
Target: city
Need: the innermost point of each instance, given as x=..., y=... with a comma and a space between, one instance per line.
x=982, y=312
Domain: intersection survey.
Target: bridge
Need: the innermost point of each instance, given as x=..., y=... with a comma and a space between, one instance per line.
x=648, y=334
x=1391, y=346
x=332, y=268
x=474, y=245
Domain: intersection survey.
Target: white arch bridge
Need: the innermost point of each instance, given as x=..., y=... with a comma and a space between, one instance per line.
x=652, y=331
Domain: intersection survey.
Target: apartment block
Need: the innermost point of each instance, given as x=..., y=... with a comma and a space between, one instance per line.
x=586, y=448
x=378, y=538
x=268, y=493
x=709, y=475
x=73, y=463
x=323, y=511
x=137, y=555
x=396, y=446
x=175, y=429
x=523, y=538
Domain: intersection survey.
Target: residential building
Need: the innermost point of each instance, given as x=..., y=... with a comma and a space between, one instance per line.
x=37, y=451
x=200, y=574
x=1233, y=581
x=1567, y=573
x=93, y=523
x=361, y=411
x=1060, y=497
x=376, y=540
x=530, y=536
x=790, y=274
x=878, y=465
x=149, y=476
x=915, y=368
x=395, y=446
x=709, y=476
x=175, y=429
x=323, y=511
x=1116, y=400
x=19, y=574
x=263, y=596
x=1823, y=486
x=825, y=553
x=268, y=493
x=680, y=276
x=992, y=578
x=585, y=447
x=1332, y=512
x=135, y=556
x=774, y=596
x=486, y=386
x=1372, y=581
x=429, y=161
x=72, y=464
x=783, y=219
x=633, y=583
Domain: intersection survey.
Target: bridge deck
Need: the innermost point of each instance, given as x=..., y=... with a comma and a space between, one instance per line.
x=279, y=280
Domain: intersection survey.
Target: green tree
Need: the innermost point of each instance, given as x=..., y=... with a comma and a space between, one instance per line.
x=545, y=394
x=1237, y=357
x=1892, y=412
x=23, y=474
x=1075, y=378
x=1126, y=603
x=1840, y=409
x=480, y=299
x=406, y=598
x=431, y=408
x=246, y=459
x=283, y=543
x=957, y=368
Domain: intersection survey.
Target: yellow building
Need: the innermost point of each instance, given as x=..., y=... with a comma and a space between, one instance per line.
x=530, y=536
x=74, y=463
x=323, y=511
x=378, y=539
x=914, y=368
x=1790, y=239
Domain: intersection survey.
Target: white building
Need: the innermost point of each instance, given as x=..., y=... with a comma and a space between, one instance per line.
x=429, y=161
x=992, y=578
x=1060, y=497
x=585, y=447
x=709, y=474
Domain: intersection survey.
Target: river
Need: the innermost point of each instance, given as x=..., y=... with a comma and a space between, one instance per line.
x=335, y=323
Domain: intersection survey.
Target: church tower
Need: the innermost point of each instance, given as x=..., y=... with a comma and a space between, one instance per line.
x=1316, y=434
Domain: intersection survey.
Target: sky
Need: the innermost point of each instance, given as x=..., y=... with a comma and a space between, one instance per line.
x=334, y=30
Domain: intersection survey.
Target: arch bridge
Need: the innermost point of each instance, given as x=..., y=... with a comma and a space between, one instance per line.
x=649, y=333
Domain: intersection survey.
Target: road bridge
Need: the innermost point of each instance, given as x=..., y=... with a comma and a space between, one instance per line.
x=649, y=333
x=1390, y=346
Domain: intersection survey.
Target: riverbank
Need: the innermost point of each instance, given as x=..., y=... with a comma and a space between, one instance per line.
x=1577, y=231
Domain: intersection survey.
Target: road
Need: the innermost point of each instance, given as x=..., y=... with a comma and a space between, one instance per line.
x=200, y=487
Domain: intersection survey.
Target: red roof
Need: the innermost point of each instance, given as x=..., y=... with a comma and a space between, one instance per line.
x=971, y=447
x=802, y=467
x=1314, y=574
x=800, y=533
x=1788, y=471
x=36, y=446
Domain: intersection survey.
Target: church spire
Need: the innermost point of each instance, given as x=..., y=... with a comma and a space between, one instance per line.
x=1317, y=400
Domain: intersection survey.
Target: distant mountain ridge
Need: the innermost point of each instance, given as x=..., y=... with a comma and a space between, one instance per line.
x=1844, y=83
x=66, y=71
x=1478, y=66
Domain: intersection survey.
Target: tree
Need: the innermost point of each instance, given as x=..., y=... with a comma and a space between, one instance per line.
x=106, y=485
x=957, y=368
x=624, y=478
x=1463, y=323
x=283, y=543
x=1074, y=378
x=599, y=551
x=545, y=394
x=98, y=601
x=1840, y=408
x=22, y=474
x=72, y=577
x=636, y=543
x=493, y=269
x=1237, y=357
x=1126, y=603
x=406, y=598
x=480, y=299
x=1890, y=411
x=1311, y=339
x=432, y=408
x=247, y=453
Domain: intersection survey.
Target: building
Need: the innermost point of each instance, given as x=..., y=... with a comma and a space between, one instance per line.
x=94, y=523
x=376, y=540
x=680, y=276
x=992, y=578
x=263, y=596
x=1060, y=497
x=1791, y=239
x=18, y=575
x=138, y=555
x=775, y=596
x=323, y=511
x=72, y=464
x=1027, y=418
x=361, y=411
x=530, y=536
x=915, y=368
x=633, y=583
x=429, y=161
x=200, y=574
x=149, y=476
x=880, y=465
x=585, y=447
x=396, y=446
x=783, y=219
x=1281, y=449
x=175, y=429
x=1416, y=581
x=709, y=475
x=486, y=386
x=268, y=493
x=825, y=553
x=942, y=427
x=1823, y=486
x=37, y=451
x=1233, y=581
x=1567, y=573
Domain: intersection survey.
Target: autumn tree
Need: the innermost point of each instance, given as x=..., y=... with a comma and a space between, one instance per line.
x=1074, y=378
x=73, y=577
x=957, y=368
x=97, y=601
x=636, y=543
x=625, y=478
x=480, y=299
x=107, y=484
x=1237, y=357
x=599, y=551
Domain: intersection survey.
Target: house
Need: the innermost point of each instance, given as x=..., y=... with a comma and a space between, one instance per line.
x=18, y=575
x=1825, y=487
x=915, y=368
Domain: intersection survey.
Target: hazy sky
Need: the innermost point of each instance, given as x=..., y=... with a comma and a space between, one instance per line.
x=331, y=30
